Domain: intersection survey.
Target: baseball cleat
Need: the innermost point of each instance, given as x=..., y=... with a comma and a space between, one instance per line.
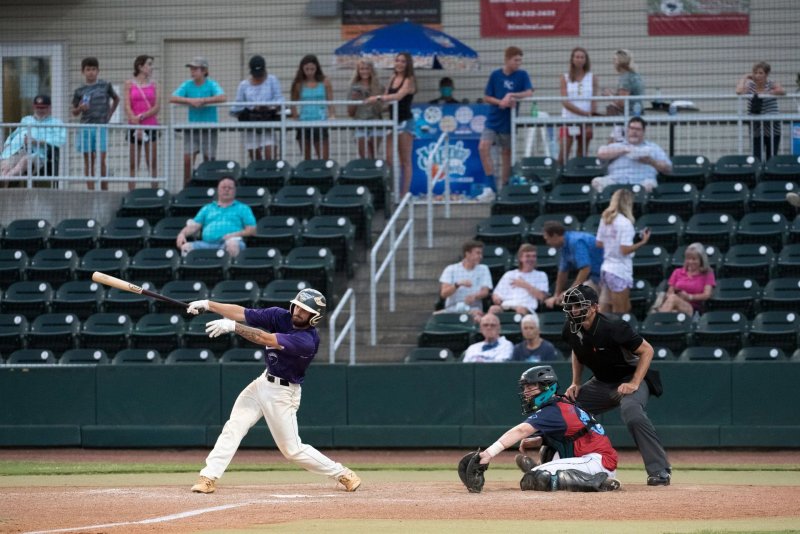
x=349, y=480
x=610, y=484
x=204, y=485
x=659, y=479
x=524, y=462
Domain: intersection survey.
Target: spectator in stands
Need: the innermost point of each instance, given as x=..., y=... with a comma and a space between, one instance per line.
x=446, y=87
x=579, y=252
x=520, y=290
x=311, y=85
x=634, y=161
x=33, y=142
x=578, y=86
x=504, y=89
x=533, y=348
x=494, y=347
x=225, y=223
x=365, y=83
x=615, y=237
x=199, y=93
x=402, y=88
x=95, y=102
x=141, y=108
x=629, y=83
x=766, y=135
x=465, y=284
x=691, y=285
x=258, y=87
x=793, y=199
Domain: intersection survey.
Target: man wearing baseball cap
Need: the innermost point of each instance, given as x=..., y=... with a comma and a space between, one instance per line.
x=259, y=87
x=31, y=145
x=199, y=93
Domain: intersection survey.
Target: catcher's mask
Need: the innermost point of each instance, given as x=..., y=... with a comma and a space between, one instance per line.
x=583, y=296
x=548, y=383
x=312, y=301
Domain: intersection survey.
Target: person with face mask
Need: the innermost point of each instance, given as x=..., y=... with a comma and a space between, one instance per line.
x=446, y=88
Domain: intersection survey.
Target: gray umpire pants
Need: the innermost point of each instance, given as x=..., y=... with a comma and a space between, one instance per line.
x=597, y=397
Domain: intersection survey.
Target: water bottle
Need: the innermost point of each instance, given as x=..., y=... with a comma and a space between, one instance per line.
x=534, y=109
x=85, y=99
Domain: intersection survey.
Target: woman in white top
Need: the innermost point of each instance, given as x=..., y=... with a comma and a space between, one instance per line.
x=615, y=237
x=578, y=86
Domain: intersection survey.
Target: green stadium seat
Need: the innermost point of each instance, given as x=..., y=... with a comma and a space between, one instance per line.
x=13, y=331
x=534, y=235
x=523, y=199
x=760, y=354
x=665, y=329
x=781, y=294
x=165, y=232
x=336, y=233
x=53, y=265
x=187, y=355
x=30, y=298
x=752, y=261
x=650, y=263
x=79, y=235
x=111, y=261
x=240, y=292
x=147, y=203
x=31, y=357
x=724, y=329
x=300, y=201
x=314, y=264
x=155, y=264
x=666, y=229
x=190, y=199
x=504, y=230
x=723, y=197
x=542, y=171
x=205, y=265
x=710, y=229
x=243, y=355
x=137, y=356
x=603, y=199
x=573, y=198
x=353, y=202
x=736, y=168
x=735, y=294
x=429, y=354
x=209, y=173
x=134, y=305
x=13, y=263
x=705, y=354
x=79, y=297
x=374, y=174
x=85, y=356
x=272, y=174
x=762, y=228
x=693, y=169
x=783, y=167
x=678, y=198
x=320, y=173
x=279, y=292
x=107, y=331
x=195, y=336
x=129, y=233
x=775, y=329
x=160, y=331
x=582, y=169
x=30, y=235
x=497, y=259
x=257, y=197
x=259, y=264
x=771, y=197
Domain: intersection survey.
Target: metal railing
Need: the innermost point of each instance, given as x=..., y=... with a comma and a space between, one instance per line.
x=441, y=153
x=395, y=240
x=349, y=327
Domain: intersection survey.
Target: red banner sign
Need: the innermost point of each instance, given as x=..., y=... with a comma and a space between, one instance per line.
x=509, y=18
x=700, y=17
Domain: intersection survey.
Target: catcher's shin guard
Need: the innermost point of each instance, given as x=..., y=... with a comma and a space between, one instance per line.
x=538, y=480
x=574, y=480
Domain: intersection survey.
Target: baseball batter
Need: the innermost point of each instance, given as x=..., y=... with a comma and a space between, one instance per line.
x=291, y=340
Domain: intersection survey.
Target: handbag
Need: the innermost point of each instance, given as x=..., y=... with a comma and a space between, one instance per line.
x=260, y=114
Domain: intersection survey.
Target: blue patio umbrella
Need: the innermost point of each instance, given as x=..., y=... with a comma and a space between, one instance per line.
x=430, y=49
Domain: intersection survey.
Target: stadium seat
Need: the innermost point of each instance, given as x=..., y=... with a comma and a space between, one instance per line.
x=85, y=356
x=79, y=297
x=693, y=169
x=781, y=294
x=542, y=171
x=454, y=331
x=783, y=167
x=503, y=230
x=189, y=201
x=257, y=197
x=134, y=305
x=534, y=235
x=793, y=236
x=320, y=173
x=111, y=261
x=279, y=292
x=13, y=263
x=788, y=263
x=497, y=259
x=666, y=229
x=603, y=199
x=261, y=265
x=79, y=235
x=551, y=324
x=300, y=201
x=240, y=292
x=710, y=229
x=314, y=264
x=736, y=168
x=573, y=198
x=666, y=329
x=206, y=265
x=195, y=336
x=30, y=298
x=663, y=354
x=282, y=232
x=547, y=259
x=271, y=173
x=582, y=169
x=524, y=200
x=165, y=232
x=353, y=202
x=374, y=174
x=128, y=233
x=713, y=253
x=723, y=197
x=137, y=356
x=13, y=331
x=190, y=355
x=760, y=354
x=510, y=325
x=336, y=233
x=650, y=263
x=705, y=354
x=752, y=261
x=107, y=331
x=155, y=264
x=160, y=331
x=724, y=329
x=54, y=265
x=147, y=203
x=641, y=297
x=209, y=173
x=429, y=354
x=29, y=235
x=771, y=197
x=591, y=224
x=243, y=355
x=762, y=228
x=181, y=290
x=31, y=357
x=735, y=294
x=673, y=198
x=775, y=329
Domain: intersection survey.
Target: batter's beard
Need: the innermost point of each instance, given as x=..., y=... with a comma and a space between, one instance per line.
x=299, y=324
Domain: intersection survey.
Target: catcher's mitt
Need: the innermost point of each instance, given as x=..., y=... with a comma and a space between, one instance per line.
x=470, y=471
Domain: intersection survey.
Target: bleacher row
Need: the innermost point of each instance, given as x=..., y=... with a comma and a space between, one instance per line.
x=736, y=207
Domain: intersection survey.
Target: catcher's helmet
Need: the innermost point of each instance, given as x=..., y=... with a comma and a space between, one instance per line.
x=546, y=377
x=583, y=296
x=312, y=301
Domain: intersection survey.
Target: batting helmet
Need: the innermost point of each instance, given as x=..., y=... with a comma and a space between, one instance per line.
x=545, y=376
x=583, y=296
x=312, y=301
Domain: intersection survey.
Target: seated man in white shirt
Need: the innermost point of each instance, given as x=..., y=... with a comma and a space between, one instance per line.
x=633, y=161
x=520, y=290
x=465, y=284
x=493, y=348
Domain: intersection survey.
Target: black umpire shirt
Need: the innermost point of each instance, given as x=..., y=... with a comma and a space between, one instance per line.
x=607, y=348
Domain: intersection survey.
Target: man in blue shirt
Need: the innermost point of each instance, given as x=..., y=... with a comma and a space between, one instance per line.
x=225, y=223
x=578, y=253
x=505, y=88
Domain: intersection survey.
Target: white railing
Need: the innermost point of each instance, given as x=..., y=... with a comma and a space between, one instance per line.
x=441, y=153
x=375, y=273
x=349, y=327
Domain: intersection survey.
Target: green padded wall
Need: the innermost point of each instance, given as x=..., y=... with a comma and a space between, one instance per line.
x=44, y=395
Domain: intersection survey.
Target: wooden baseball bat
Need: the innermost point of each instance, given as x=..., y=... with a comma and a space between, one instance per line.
x=112, y=281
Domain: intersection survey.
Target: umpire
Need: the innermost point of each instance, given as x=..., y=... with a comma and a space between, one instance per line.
x=620, y=360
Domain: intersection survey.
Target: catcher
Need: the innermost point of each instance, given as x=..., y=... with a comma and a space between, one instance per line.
x=586, y=460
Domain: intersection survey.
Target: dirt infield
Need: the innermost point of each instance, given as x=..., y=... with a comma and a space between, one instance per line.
x=163, y=503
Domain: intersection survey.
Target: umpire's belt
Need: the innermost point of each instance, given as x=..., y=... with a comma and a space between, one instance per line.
x=281, y=381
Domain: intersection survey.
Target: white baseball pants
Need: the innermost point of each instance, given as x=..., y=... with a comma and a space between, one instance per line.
x=591, y=464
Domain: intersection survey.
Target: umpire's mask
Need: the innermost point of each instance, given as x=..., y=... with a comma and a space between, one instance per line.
x=582, y=296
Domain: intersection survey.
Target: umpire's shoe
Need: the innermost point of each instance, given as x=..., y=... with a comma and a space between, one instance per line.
x=349, y=480
x=659, y=479
x=204, y=485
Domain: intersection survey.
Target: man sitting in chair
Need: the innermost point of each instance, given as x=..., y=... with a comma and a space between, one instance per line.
x=30, y=145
